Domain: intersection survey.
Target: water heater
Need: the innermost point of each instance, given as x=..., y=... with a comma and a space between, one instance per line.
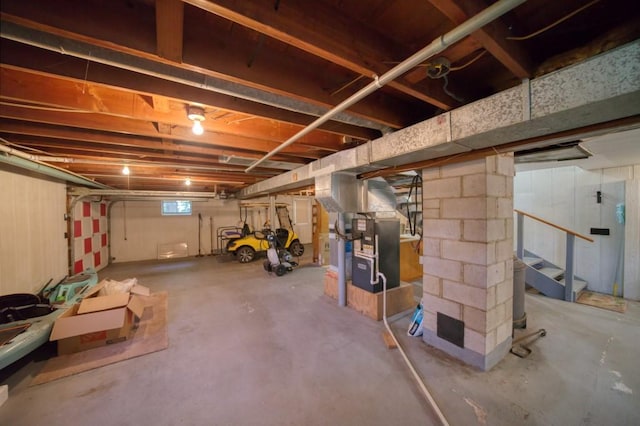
x=372, y=255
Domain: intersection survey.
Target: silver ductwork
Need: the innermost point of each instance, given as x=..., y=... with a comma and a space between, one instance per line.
x=344, y=193
x=338, y=192
x=376, y=195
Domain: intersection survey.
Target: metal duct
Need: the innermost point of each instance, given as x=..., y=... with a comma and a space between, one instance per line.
x=376, y=195
x=338, y=192
x=344, y=193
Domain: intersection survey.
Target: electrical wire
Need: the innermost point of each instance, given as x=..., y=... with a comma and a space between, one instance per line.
x=463, y=66
x=416, y=183
x=340, y=89
x=448, y=92
x=548, y=27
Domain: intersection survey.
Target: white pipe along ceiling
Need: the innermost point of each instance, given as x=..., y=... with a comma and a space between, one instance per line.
x=438, y=45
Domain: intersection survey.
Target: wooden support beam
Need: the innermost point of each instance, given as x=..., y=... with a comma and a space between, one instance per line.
x=364, y=54
x=169, y=25
x=23, y=58
x=493, y=36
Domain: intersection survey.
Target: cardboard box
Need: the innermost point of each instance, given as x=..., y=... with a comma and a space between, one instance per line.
x=97, y=321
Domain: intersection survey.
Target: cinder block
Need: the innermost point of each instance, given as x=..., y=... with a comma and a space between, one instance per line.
x=431, y=213
x=496, y=186
x=431, y=203
x=465, y=208
x=504, y=208
x=491, y=253
x=475, y=275
x=508, y=313
x=503, y=332
x=463, y=169
x=443, y=268
x=509, y=187
x=505, y=164
x=431, y=247
x=498, y=316
x=504, y=250
x=474, y=341
x=504, y=290
x=430, y=321
x=491, y=297
x=435, y=304
x=442, y=228
x=491, y=164
x=474, y=230
x=431, y=173
x=474, y=185
x=490, y=341
x=464, y=294
x=509, y=232
x=432, y=285
x=495, y=273
x=474, y=318
x=463, y=251
x=496, y=229
x=442, y=188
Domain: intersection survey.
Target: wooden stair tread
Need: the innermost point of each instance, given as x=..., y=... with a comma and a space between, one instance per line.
x=551, y=271
x=578, y=284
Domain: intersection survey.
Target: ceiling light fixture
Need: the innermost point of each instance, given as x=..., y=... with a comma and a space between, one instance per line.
x=126, y=171
x=196, y=114
x=187, y=182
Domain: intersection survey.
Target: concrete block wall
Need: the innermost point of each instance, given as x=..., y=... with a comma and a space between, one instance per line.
x=468, y=256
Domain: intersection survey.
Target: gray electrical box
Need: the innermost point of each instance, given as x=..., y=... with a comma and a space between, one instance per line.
x=364, y=231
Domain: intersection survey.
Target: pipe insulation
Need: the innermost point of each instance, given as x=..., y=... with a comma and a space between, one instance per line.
x=436, y=46
x=28, y=162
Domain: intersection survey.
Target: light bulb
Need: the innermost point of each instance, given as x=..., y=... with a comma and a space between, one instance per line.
x=197, y=128
x=187, y=182
x=125, y=170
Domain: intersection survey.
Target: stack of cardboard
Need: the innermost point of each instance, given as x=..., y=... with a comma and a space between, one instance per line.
x=99, y=320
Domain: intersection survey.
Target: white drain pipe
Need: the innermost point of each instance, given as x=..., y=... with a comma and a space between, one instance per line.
x=30, y=162
x=438, y=45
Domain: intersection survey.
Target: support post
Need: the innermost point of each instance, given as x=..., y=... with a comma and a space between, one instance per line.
x=568, y=270
x=342, y=273
x=520, y=236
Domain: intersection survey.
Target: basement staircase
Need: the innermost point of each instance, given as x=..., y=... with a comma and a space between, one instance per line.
x=546, y=277
x=549, y=279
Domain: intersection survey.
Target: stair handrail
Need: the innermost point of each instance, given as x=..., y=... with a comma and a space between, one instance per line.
x=553, y=225
x=571, y=238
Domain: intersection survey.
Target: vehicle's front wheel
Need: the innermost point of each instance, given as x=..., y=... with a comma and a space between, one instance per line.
x=245, y=254
x=296, y=248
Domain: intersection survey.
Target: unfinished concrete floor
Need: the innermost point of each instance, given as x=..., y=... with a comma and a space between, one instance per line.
x=247, y=348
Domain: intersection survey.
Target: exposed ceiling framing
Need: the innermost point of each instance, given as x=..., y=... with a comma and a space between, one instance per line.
x=90, y=86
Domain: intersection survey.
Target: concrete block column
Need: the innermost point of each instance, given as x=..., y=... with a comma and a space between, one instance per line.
x=468, y=259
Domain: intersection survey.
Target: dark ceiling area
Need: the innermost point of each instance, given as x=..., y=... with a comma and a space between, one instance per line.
x=93, y=86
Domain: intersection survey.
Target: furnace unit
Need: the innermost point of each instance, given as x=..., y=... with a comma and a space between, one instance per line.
x=367, y=262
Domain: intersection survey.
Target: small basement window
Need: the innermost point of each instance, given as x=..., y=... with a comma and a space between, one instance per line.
x=176, y=207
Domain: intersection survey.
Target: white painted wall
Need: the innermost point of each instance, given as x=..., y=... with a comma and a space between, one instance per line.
x=33, y=247
x=137, y=229
x=567, y=196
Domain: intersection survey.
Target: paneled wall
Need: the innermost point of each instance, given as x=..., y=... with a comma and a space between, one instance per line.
x=33, y=247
